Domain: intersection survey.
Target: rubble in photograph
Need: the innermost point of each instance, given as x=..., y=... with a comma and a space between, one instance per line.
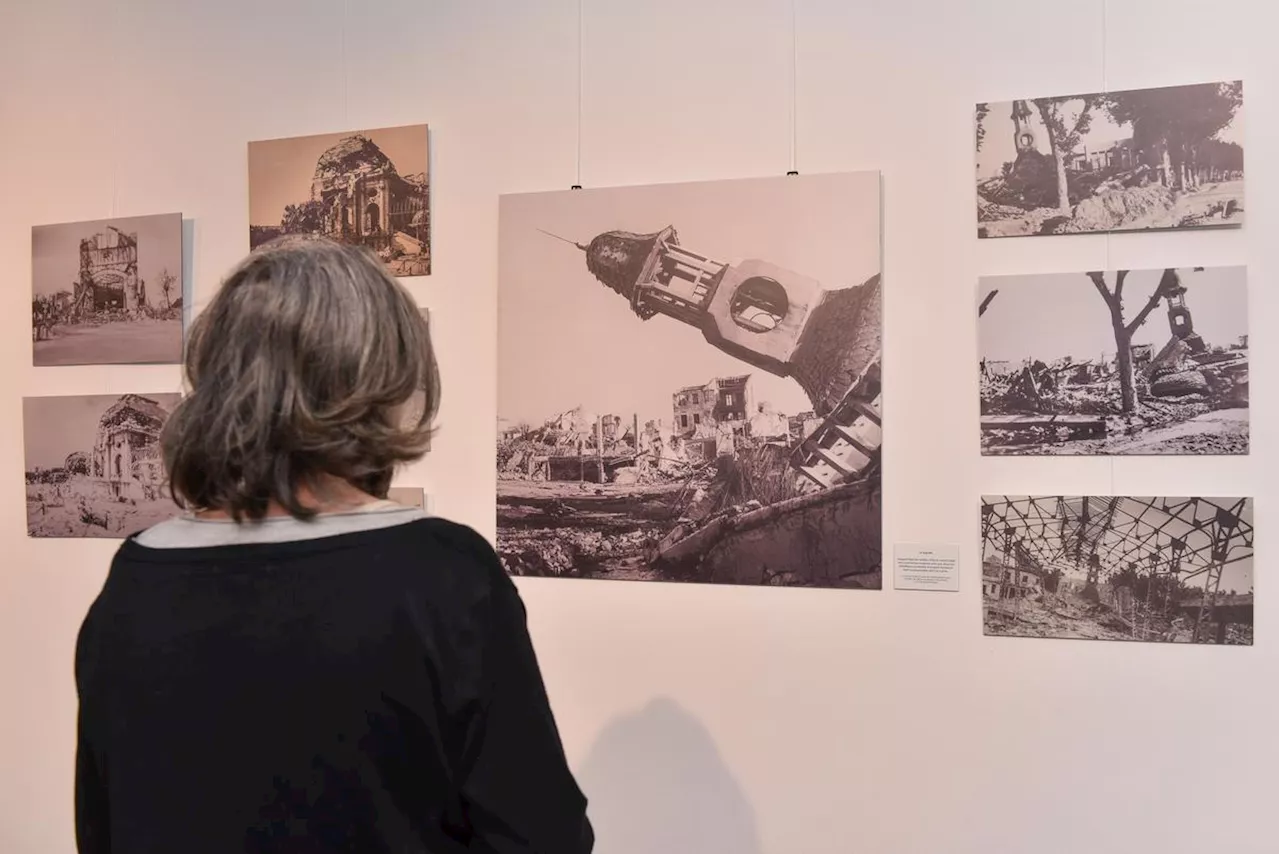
x=1176, y=570
x=1188, y=394
x=723, y=487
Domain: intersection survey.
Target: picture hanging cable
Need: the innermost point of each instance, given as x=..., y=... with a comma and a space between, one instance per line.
x=1106, y=243
x=346, y=84
x=792, y=170
x=116, y=88
x=577, y=180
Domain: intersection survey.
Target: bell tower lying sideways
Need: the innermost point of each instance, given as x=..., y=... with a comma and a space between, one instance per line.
x=770, y=317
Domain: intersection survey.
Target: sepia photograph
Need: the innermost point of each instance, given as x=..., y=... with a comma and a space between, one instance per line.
x=409, y=496
x=1142, y=362
x=368, y=188
x=94, y=467
x=1171, y=157
x=107, y=292
x=689, y=382
x=1165, y=570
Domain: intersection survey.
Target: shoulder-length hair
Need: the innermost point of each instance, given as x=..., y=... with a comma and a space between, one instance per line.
x=310, y=361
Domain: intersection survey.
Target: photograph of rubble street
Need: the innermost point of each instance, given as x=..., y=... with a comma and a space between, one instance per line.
x=1171, y=570
x=689, y=382
x=1128, y=362
x=1171, y=157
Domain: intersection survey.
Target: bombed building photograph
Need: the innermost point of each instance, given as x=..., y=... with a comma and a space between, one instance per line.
x=1125, y=362
x=93, y=464
x=368, y=188
x=107, y=292
x=1171, y=570
x=1170, y=157
x=689, y=382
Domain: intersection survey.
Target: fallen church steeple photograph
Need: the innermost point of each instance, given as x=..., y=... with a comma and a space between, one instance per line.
x=697, y=401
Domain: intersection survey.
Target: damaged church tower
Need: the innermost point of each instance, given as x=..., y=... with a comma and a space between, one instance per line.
x=774, y=319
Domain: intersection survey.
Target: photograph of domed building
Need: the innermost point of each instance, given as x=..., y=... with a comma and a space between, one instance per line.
x=93, y=464
x=367, y=187
x=689, y=382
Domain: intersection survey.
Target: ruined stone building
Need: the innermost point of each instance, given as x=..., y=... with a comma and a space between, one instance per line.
x=766, y=423
x=364, y=198
x=108, y=279
x=1001, y=581
x=722, y=402
x=126, y=451
x=1121, y=154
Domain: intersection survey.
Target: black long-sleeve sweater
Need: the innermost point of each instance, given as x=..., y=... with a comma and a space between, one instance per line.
x=369, y=692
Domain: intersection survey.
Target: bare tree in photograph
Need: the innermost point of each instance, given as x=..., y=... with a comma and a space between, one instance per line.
x=980, y=130
x=1063, y=139
x=1114, y=298
x=167, y=281
x=1060, y=376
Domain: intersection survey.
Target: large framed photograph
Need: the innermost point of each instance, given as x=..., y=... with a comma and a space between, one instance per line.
x=1165, y=570
x=107, y=292
x=689, y=382
x=1146, y=362
x=1171, y=157
x=93, y=464
x=368, y=187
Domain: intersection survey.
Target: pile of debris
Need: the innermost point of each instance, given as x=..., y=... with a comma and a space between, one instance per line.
x=1063, y=386
x=1185, y=386
x=563, y=551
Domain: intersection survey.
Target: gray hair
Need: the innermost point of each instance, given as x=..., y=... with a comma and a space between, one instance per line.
x=310, y=361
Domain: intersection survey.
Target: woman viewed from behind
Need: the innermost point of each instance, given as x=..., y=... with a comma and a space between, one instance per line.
x=297, y=664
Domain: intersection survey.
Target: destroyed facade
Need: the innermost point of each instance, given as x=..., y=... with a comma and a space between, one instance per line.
x=364, y=198
x=126, y=452
x=108, y=279
x=356, y=195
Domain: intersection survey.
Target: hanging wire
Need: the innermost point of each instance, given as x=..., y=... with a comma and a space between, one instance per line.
x=792, y=169
x=577, y=179
x=1106, y=241
x=346, y=74
x=116, y=89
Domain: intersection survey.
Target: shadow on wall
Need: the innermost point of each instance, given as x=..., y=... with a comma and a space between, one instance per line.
x=655, y=781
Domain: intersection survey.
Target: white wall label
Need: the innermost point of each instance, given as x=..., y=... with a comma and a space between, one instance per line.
x=933, y=567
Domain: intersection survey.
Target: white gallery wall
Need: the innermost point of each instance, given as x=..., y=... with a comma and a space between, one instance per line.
x=700, y=719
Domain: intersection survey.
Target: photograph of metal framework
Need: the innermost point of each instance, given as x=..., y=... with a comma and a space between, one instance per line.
x=93, y=464
x=700, y=405
x=107, y=292
x=1169, y=157
x=368, y=188
x=1085, y=363
x=1173, y=570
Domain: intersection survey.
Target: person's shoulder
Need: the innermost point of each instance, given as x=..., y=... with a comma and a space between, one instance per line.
x=455, y=546
x=453, y=536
